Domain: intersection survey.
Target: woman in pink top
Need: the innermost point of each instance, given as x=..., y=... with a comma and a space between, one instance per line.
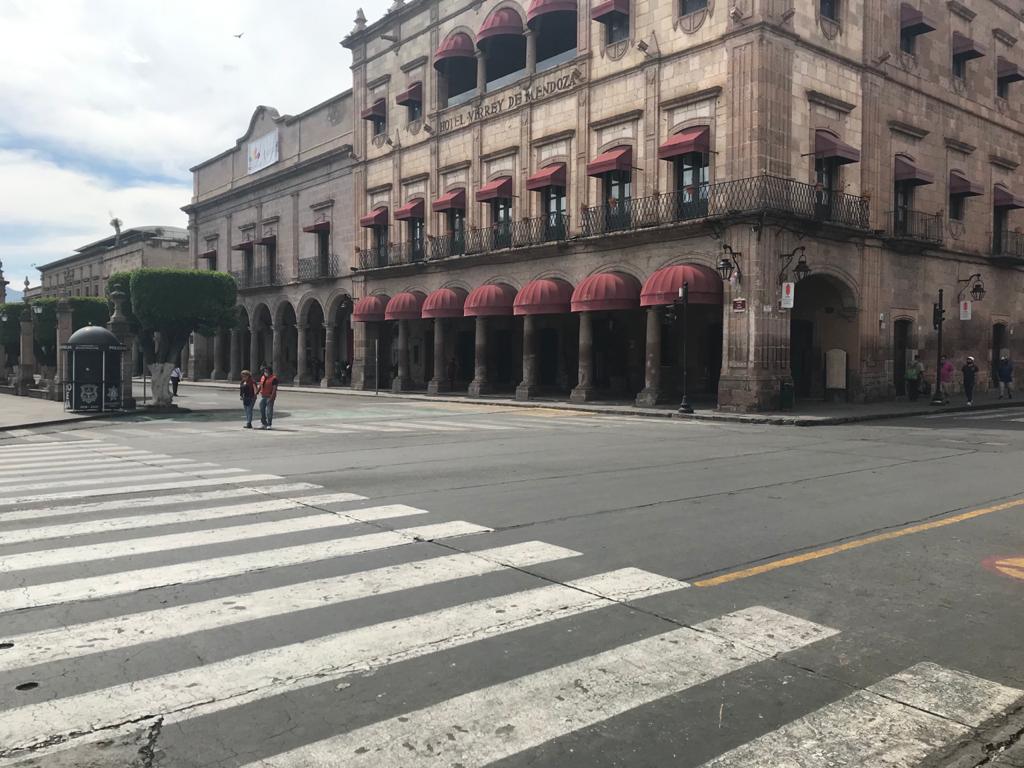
x=946, y=371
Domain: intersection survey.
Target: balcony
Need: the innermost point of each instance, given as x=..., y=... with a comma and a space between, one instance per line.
x=514, y=234
x=759, y=194
x=914, y=226
x=319, y=268
x=258, y=277
x=1008, y=246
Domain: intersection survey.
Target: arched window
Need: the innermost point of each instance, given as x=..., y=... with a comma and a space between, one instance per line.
x=554, y=27
x=455, y=62
x=503, y=44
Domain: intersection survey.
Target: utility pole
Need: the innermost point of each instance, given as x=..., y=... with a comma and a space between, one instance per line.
x=938, y=318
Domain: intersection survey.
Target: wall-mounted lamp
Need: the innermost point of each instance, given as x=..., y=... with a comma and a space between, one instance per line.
x=977, y=287
x=800, y=271
x=729, y=264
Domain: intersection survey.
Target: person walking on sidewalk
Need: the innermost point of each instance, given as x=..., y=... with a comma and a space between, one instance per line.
x=970, y=373
x=913, y=376
x=946, y=371
x=175, y=380
x=1004, y=371
x=268, y=394
x=247, y=393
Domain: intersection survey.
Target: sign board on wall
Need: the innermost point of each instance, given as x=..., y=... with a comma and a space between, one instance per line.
x=965, y=310
x=263, y=151
x=788, y=292
x=739, y=305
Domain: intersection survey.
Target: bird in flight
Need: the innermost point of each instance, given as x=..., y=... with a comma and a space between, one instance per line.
x=239, y=35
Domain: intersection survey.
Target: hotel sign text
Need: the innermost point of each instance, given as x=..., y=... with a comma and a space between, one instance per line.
x=511, y=102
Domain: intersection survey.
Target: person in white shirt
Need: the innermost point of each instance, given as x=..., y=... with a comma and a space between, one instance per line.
x=175, y=378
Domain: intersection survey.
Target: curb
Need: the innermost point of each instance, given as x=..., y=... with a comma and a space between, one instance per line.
x=56, y=422
x=772, y=419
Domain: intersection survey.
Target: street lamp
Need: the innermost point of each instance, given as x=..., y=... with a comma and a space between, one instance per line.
x=37, y=308
x=977, y=289
x=728, y=262
x=684, y=300
x=800, y=271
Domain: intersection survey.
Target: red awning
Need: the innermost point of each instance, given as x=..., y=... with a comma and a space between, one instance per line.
x=248, y=245
x=320, y=226
x=697, y=139
x=444, y=302
x=608, y=7
x=268, y=240
x=549, y=176
x=961, y=186
x=208, y=255
x=411, y=95
x=376, y=111
x=504, y=21
x=378, y=217
x=705, y=285
x=907, y=172
x=1004, y=198
x=540, y=8
x=490, y=300
x=453, y=200
x=829, y=147
x=369, y=309
x=617, y=159
x=404, y=306
x=965, y=48
x=457, y=46
x=411, y=210
x=547, y=296
x=914, y=22
x=1007, y=71
x=608, y=290
x=495, y=190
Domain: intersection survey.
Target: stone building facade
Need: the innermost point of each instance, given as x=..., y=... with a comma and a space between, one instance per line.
x=86, y=272
x=534, y=182
x=275, y=210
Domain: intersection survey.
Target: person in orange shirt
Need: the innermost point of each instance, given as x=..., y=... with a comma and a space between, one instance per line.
x=268, y=394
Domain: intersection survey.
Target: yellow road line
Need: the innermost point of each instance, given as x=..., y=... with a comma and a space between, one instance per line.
x=846, y=546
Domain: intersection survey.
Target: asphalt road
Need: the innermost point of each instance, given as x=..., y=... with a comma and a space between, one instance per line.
x=380, y=582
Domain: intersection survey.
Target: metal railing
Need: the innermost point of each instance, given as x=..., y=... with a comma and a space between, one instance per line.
x=446, y=246
x=759, y=194
x=391, y=255
x=258, y=277
x=914, y=225
x=318, y=268
x=1009, y=245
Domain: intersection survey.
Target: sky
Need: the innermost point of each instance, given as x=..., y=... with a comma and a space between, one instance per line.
x=106, y=104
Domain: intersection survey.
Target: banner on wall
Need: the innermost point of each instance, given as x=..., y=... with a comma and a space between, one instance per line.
x=263, y=151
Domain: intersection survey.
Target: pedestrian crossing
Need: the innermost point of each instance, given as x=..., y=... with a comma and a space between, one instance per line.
x=127, y=603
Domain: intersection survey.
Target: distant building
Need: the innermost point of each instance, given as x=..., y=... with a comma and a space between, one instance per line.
x=87, y=271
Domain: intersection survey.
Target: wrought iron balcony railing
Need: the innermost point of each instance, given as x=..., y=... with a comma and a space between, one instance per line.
x=318, y=268
x=391, y=255
x=914, y=225
x=258, y=277
x=1008, y=245
x=759, y=194
x=447, y=245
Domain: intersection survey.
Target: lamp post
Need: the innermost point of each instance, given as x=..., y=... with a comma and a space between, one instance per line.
x=938, y=318
x=684, y=300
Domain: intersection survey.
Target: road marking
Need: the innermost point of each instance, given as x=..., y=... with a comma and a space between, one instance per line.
x=99, y=463
x=118, y=490
x=166, y=623
x=895, y=723
x=36, y=513
x=134, y=465
x=232, y=534
x=43, y=452
x=1008, y=566
x=491, y=724
x=107, y=525
x=846, y=546
x=91, y=588
x=373, y=428
x=471, y=425
x=260, y=675
x=132, y=472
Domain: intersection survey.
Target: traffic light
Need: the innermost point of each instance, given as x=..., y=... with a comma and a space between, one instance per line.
x=938, y=315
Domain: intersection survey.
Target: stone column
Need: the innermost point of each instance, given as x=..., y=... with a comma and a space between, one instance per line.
x=330, y=356
x=584, y=385
x=481, y=73
x=439, y=383
x=531, y=51
x=218, y=356
x=301, y=358
x=528, y=386
x=235, y=353
x=403, y=382
x=255, y=353
x=652, y=369
x=364, y=371
x=119, y=326
x=480, y=385
x=64, y=330
x=27, y=354
x=277, y=347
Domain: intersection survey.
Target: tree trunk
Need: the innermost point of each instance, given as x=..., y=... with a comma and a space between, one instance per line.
x=161, y=373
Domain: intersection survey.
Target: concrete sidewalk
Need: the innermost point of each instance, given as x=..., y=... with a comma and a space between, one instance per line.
x=21, y=412
x=806, y=414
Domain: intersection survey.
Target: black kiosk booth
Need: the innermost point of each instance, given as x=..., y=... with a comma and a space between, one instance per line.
x=92, y=365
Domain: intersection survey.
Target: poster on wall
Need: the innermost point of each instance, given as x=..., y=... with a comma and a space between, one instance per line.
x=787, y=295
x=263, y=151
x=965, y=310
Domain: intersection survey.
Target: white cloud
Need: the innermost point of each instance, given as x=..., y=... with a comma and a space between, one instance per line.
x=105, y=104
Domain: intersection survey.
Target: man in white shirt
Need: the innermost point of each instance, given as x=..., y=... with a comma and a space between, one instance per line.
x=175, y=378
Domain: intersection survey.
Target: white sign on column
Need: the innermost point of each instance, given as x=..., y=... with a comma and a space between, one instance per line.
x=263, y=151
x=788, y=294
x=965, y=310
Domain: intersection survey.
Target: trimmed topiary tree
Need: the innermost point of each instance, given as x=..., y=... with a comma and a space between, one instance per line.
x=168, y=306
x=10, y=330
